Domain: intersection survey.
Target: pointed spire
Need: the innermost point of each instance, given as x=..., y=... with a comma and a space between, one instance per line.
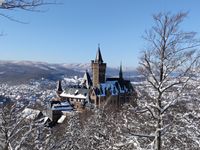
x=59, y=89
x=59, y=86
x=98, y=56
x=120, y=71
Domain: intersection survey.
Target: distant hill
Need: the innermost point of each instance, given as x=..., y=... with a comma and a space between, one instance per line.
x=22, y=71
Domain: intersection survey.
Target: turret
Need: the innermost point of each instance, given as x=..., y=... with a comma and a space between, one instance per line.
x=120, y=72
x=59, y=89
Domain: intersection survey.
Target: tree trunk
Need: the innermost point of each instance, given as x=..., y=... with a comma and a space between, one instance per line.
x=158, y=140
x=159, y=124
x=6, y=146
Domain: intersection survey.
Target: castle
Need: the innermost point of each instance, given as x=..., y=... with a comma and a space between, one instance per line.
x=98, y=92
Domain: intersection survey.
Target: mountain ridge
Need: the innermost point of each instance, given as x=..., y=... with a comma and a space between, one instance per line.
x=23, y=71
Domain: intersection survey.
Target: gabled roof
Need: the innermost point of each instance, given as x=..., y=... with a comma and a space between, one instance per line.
x=86, y=82
x=80, y=93
x=98, y=56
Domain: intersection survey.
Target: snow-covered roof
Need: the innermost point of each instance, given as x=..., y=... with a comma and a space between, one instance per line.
x=78, y=93
x=61, y=119
x=113, y=86
x=62, y=106
x=78, y=96
x=29, y=113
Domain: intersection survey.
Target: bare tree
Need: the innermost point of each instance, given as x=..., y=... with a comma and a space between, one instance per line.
x=24, y=4
x=28, y=5
x=20, y=126
x=169, y=64
x=14, y=129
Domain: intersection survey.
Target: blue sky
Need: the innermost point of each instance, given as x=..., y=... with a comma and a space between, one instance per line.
x=70, y=33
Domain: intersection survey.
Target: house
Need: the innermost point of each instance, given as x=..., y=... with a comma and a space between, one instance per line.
x=77, y=97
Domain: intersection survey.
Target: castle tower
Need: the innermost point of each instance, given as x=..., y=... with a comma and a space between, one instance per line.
x=98, y=69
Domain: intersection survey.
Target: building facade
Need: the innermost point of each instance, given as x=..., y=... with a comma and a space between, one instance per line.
x=100, y=91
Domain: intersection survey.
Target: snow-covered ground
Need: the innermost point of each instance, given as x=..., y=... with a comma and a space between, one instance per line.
x=41, y=91
x=101, y=126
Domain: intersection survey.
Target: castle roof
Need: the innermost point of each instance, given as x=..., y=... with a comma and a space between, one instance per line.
x=124, y=84
x=79, y=93
x=114, y=86
x=86, y=82
x=62, y=106
x=98, y=56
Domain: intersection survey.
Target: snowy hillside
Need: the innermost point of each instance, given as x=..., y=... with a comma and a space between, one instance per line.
x=23, y=71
